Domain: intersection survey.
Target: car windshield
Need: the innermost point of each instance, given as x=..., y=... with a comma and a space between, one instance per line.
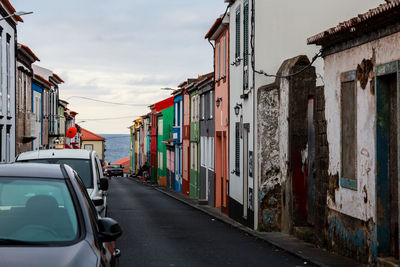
x=34, y=210
x=81, y=166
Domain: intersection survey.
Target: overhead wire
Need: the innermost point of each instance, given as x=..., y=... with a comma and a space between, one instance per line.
x=107, y=102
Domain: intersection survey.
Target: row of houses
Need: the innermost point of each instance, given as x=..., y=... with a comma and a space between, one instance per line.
x=32, y=116
x=281, y=140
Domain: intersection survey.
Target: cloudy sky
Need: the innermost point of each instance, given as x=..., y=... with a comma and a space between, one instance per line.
x=119, y=50
x=122, y=50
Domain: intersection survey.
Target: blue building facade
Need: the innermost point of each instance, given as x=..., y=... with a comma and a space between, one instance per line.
x=37, y=111
x=178, y=122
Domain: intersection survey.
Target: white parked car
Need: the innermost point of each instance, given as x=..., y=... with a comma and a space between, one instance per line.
x=86, y=163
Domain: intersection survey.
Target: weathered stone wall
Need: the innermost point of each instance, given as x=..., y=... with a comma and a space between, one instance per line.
x=321, y=164
x=268, y=155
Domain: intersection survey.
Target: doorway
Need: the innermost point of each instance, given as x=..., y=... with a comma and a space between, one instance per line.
x=387, y=165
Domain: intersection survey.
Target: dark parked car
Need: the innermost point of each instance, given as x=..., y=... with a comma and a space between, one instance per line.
x=48, y=219
x=114, y=170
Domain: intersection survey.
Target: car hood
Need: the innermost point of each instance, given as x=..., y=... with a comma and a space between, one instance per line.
x=80, y=254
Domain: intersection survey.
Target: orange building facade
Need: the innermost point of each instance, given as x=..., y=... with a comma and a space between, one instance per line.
x=219, y=33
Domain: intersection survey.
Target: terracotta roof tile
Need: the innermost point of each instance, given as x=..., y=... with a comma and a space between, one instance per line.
x=122, y=161
x=29, y=51
x=89, y=136
x=352, y=25
x=11, y=9
x=43, y=80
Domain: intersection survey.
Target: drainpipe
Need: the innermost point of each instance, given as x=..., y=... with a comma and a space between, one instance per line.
x=256, y=175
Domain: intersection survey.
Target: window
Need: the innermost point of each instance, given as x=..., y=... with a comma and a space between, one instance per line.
x=88, y=147
x=20, y=94
x=39, y=202
x=176, y=114
x=160, y=160
x=8, y=144
x=203, y=151
x=218, y=61
x=224, y=57
x=246, y=46
x=246, y=33
x=203, y=106
x=237, y=47
x=27, y=97
x=348, y=130
x=192, y=112
x=211, y=96
x=195, y=156
x=211, y=153
x=81, y=166
x=1, y=71
x=237, y=148
x=160, y=126
x=8, y=58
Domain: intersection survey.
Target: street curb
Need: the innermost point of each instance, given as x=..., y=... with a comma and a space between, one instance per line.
x=258, y=235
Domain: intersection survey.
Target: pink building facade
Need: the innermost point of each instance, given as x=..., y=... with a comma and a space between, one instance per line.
x=219, y=33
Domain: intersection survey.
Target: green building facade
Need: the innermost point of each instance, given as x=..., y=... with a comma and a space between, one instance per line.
x=165, y=123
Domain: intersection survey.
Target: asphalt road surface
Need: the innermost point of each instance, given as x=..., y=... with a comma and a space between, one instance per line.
x=161, y=231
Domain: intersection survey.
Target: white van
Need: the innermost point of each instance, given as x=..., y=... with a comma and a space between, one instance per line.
x=86, y=163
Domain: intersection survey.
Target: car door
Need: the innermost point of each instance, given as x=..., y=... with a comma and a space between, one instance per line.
x=104, y=250
x=100, y=193
x=97, y=192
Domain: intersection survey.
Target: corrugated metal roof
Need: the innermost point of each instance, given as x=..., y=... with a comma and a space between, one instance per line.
x=350, y=26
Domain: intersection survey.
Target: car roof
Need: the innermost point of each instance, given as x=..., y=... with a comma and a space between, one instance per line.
x=36, y=170
x=55, y=153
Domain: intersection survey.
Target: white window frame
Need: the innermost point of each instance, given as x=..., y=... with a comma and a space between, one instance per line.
x=211, y=96
x=211, y=154
x=8, y=66
x=160, y=127
x=203, y=106
x=218, y=61
x=203, y=151
x=224, y=56
x=20, y=96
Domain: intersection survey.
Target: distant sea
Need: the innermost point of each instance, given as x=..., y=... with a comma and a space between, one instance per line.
x=117, y=146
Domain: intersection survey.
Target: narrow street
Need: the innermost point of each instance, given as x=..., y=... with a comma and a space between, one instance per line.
x=161, y=231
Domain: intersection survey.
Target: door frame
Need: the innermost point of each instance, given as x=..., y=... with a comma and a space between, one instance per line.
x=383, y=70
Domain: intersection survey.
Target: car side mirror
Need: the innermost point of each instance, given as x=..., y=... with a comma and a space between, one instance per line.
x=103, y=184
x=98, y=201
x=109, y=230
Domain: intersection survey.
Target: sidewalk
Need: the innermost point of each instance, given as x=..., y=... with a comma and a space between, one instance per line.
x=291, y=244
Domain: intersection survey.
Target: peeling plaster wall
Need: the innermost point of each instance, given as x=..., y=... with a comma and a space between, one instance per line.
x=269, y=160
x=284, y=153
x=346, y=201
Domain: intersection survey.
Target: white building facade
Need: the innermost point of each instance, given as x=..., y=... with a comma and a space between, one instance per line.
x=8, y=33
x=263, y=34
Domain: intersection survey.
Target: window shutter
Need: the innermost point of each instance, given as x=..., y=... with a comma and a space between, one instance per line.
x=224, y=57
x=246, y=46
x=237, y=149
x=237, y=53
x=246, y=33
